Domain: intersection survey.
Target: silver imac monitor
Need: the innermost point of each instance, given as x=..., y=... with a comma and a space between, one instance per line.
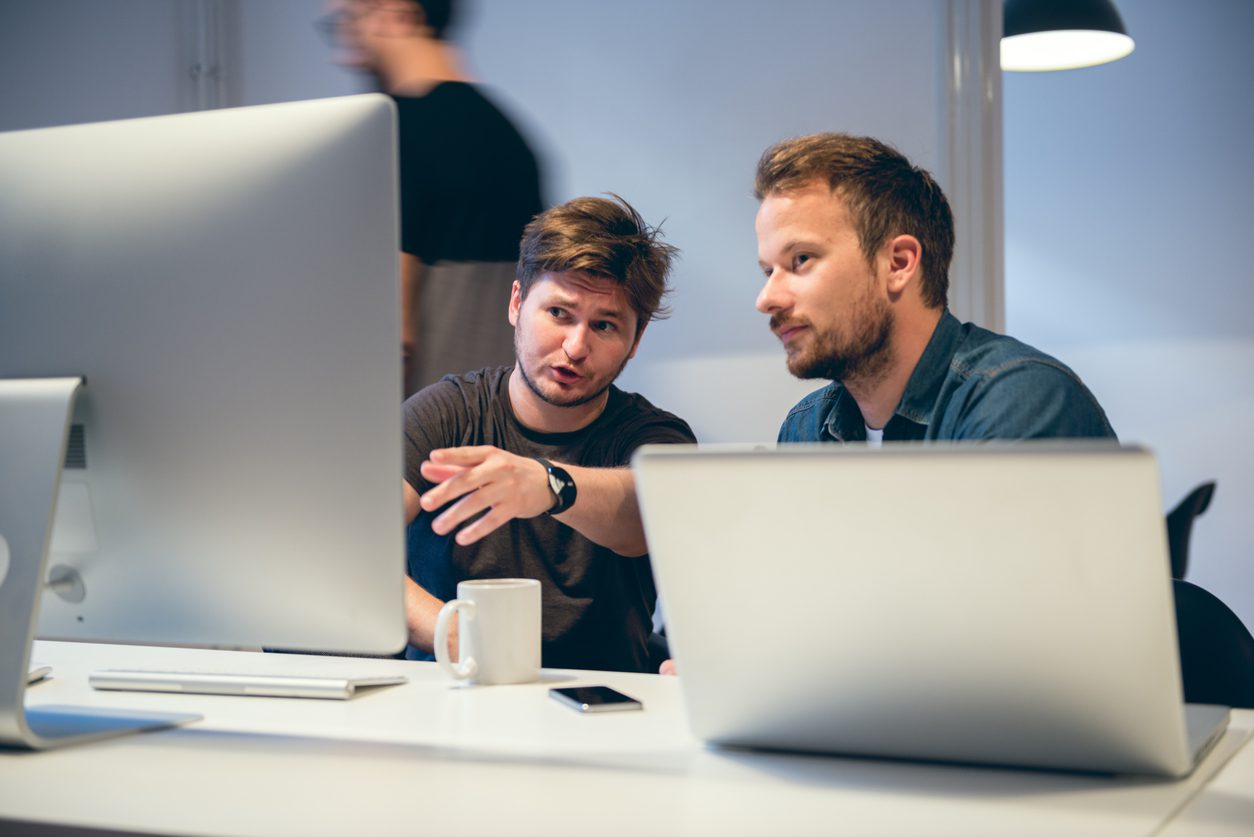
x=225, y=285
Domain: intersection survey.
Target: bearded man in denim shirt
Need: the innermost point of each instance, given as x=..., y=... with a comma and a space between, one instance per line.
x=855, y=243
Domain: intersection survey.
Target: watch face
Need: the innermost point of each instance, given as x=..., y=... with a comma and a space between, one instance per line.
x=563, y=488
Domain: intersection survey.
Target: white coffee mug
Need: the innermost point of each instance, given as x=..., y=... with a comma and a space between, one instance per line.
x=498, y=631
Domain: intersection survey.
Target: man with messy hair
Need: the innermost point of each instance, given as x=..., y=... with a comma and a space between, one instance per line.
x=522, y=471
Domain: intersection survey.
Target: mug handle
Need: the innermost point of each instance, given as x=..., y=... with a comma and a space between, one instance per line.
x=467, y=668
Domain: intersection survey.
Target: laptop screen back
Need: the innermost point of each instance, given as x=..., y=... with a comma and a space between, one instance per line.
x=992, y=604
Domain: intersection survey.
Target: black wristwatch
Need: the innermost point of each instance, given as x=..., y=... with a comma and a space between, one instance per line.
x=562, y=486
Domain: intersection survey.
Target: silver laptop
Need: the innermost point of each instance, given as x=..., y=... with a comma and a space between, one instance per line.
x=992, y=604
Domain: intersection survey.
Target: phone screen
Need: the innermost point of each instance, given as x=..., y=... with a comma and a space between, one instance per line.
x=595, y=698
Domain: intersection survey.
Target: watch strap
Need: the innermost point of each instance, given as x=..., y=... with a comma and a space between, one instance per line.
x=561, y=484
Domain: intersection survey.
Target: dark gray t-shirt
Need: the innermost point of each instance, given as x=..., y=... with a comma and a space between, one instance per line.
x=598, y=605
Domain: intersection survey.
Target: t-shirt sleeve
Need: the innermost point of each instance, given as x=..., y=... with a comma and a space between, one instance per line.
x=434, y=417
x=649, y=426
x=1032, y=400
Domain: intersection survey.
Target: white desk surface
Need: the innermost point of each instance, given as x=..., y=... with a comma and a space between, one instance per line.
x=429, y=757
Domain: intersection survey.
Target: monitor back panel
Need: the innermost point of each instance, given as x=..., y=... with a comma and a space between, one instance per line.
x=226, y=282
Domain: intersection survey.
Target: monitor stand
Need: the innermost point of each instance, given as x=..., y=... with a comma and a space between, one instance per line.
x=34, y=423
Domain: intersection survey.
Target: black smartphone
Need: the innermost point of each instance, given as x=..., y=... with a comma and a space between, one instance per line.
x=595, y=699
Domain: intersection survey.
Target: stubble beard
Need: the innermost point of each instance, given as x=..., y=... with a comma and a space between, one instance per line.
x=558, y=401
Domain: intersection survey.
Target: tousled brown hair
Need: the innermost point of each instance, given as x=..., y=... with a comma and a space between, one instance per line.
x=885, y=194
x=605, y=238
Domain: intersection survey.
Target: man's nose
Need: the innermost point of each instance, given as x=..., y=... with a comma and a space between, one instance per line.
x=772, y=297
x=576, y=343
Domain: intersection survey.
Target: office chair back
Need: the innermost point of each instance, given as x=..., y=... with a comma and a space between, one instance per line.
x=1216, y=649
x=1180, y=525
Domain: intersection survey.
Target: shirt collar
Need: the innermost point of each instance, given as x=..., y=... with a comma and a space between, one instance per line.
x=844, y=423
x=924, y=386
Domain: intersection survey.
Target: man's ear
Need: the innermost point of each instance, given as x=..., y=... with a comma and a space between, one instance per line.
x=636, y=345
x=515, y=303
x=905, y=255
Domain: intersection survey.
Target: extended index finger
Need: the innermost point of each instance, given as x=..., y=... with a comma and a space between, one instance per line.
x=436, y=472
x=468, y=455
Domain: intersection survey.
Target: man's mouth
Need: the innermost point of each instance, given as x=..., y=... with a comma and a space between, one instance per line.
x=787, y=331
x=564, y=374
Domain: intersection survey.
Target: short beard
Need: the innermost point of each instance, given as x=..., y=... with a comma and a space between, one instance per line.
x=861, y=358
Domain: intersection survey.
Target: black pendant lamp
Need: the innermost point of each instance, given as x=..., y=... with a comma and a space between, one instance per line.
x=1041, y=35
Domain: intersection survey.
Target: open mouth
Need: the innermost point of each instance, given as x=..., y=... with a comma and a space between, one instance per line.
x=564, y=375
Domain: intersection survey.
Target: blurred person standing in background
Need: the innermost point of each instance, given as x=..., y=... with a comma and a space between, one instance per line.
x=469, y=184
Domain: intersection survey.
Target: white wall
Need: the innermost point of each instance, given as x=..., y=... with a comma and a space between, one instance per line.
x=1127, y=212
x=65, y=62
x=280, y=57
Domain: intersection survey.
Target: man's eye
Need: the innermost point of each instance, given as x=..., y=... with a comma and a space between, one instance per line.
x=800, y=259
x=604, y=326
x=556, y=312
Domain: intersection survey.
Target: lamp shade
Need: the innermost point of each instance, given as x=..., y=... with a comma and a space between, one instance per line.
x=1061, y=34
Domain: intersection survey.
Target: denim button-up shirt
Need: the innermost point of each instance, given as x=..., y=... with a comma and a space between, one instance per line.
x=969, y=384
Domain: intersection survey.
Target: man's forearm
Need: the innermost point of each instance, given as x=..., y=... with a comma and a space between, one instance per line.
x=504, y=486
x=421, y=610
x=605, y=510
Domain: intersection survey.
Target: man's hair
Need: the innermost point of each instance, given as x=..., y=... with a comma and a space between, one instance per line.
x=885, y=194
x=604, y=238
x=439, y=14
